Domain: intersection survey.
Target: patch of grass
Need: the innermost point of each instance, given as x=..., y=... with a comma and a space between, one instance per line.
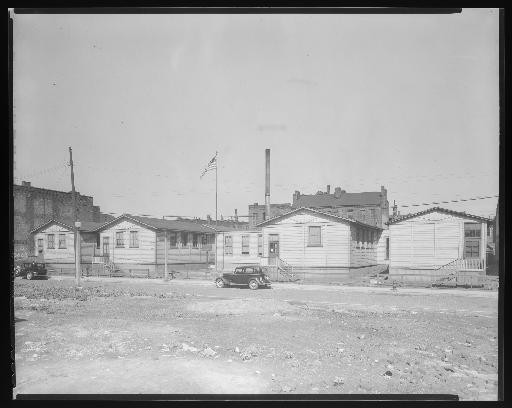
x=59, y=291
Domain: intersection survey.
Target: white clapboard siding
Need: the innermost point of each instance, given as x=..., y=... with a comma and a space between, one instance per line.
x=144, y=254
x=224, y=260
x=429, y=241
x=381, y=247
x=67, y=254
x=293, y=241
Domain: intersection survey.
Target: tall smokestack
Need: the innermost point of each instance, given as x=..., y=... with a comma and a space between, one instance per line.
x=236, y=215
x=267, y=183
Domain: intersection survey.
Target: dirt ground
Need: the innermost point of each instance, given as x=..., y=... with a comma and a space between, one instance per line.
x=142, y=336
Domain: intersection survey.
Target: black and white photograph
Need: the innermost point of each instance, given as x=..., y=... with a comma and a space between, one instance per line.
x=257, y=203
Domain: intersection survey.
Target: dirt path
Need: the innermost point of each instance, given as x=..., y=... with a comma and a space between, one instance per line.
x=147, y=339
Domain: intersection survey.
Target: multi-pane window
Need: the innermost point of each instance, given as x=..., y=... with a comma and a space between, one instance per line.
x=184, y=238
x=228, y=245
x=472, y=249
x=134, y=239
x=119, y=239
x=172, y=240
x=51, y=241
x=62, y=241
x=40, y=245
x=245, y=244
x=204, y=240
x=472, y=235
x=194, y=240
x=260, y=245
x=315, y=236
x=472, y=230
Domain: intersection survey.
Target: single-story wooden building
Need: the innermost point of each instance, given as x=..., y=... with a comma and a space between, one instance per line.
x=303, y=241
x=144, y=245
x=54, y=243
x=436, y=242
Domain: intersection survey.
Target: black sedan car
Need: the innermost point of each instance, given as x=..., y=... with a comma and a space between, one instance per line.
x=31, y=270
x=250, y=275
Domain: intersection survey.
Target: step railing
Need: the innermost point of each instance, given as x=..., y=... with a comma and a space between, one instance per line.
x=470, y=264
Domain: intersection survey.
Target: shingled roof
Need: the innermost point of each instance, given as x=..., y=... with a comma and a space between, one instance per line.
x=438, y=209
x=87, y=226
x=316, y=212
x=161, y=224
x=346, y=199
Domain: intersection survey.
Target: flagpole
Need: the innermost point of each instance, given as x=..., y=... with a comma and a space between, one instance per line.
x=216, y=166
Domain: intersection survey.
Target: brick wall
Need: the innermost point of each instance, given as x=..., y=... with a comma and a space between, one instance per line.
x=34, y=206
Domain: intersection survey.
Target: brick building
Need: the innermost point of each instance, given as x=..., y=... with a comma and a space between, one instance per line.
x=34, y=206
x=257, y=212
x=371, y=208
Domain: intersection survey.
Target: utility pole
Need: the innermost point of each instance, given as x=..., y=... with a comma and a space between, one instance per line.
x=76, y=222
x=166, y=272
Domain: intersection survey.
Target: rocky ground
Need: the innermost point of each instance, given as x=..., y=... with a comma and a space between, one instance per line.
x=143, y=337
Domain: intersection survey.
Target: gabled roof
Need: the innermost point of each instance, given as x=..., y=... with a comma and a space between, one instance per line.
x=348, y=199
x=87, y=226
x=318, y=213
x=438, y=209
x=159, y=224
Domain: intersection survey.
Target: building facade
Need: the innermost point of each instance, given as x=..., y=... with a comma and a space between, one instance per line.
x=147, y=244
x=316, y=245
x=34, y=206
x=371, y=208
x=437, y=242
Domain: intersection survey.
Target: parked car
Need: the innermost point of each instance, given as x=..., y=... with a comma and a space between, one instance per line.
x=252, y=275
x=31, y=270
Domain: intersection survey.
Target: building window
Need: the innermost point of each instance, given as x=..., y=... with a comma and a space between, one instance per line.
x=387, y=248
x=173, y=239
x=315, y=236
x=228, y=245
x=106, y=244
x=62, y=241
x=472, y=230
x=204, y=239
x=51, y=241
x=260, y=245
x=245, y=244
x=119, y=239
x=134, y=239
x=184, y=238
x=254, y=218
x=194, y=240
x=40, y=245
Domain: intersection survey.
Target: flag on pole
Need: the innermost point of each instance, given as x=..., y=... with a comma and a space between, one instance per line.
x=212, y=165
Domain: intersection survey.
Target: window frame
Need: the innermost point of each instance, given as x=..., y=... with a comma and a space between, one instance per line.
x=60, y=241
x=173, y=240
x=247, y=246
x=136, y=234
x=40, y=245
x=310, y=244
x=52, y=241
x=260, y=244
x=230, y=246
x=118, y=241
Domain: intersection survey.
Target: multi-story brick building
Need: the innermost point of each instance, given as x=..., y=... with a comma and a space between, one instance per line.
x=368, y=207
x=34, y=206
x=257, y=212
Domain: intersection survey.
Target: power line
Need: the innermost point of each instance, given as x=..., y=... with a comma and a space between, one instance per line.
x=450, y=201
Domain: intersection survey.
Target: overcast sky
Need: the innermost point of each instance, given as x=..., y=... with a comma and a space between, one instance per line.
x=358, y=101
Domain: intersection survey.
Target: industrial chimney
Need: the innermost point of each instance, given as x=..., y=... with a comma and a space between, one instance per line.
x=267, y=183
x=236, y=215
x=328, y=189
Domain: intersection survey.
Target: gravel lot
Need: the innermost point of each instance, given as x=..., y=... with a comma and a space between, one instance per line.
x=145, y=336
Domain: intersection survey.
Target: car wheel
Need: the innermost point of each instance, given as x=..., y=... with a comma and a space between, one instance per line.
x=253, y=284
x=30, y=275
x=219, y=283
